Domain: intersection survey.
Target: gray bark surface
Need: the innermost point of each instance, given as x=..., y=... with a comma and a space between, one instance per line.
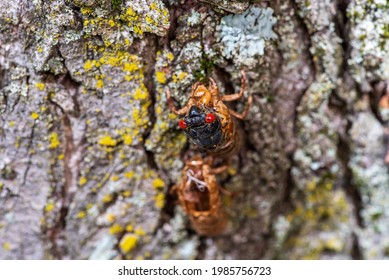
x=89, y=149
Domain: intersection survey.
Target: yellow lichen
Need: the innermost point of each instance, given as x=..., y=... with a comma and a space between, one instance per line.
x=34, y=115
x=17, y=142
x=115, y=229
x=128, y=243
x=149, y=19
x=86, y=10
x=159, y=110
x=139, y=231
x=311, y=186
x=322, y=205
x=40, y=86
x=129, y=174
x=163, y=125
x=161, y=77
x=99, y=84
x=49, y=207
x=82, y=181
x=54, y=142
x=131, y=67
x=111, y=23
x=61, y=156
x=140, y=93
x=129, y=228
x=159, y=200
x=140, y=117
x=111, y=217
x=130, y=12
x=89, y=64
x=6, y=246
x=107, y=141
x=334, y=244
x=114, y=178
x=107, y=198
x=127, y=139
x=126, y=193
x=137, y=30
x=182, y=76
x=172, y=116
x=170, y=56
x=158, y=183
x=231, y=171
x=81, y=215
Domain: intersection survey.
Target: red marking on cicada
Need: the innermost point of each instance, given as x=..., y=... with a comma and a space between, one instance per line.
x=210, y=118
x=182, y=124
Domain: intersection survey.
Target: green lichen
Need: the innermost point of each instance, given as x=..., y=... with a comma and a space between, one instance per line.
x=369, y=33
x=371, y=179
x=132, y=16
x=243, y=37
x=207, y=65
x=116, y=4
x=162, y=138
x=316, y=224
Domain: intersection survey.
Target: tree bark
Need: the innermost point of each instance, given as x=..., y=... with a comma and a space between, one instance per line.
x=89, y=150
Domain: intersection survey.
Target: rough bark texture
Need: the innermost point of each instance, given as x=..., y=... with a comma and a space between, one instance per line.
x=89, y=149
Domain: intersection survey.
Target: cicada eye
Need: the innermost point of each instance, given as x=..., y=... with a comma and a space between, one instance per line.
x=182, y=124
x=210, y=118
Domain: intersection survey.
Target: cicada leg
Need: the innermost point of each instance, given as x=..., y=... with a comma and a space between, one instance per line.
x=242, y=115
x=236, y=96
x=194, y=87
x=213, y=88
x=173, y=108
x=219, y=169
x=174, y=190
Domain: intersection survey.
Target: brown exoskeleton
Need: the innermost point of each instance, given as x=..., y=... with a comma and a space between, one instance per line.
x=208, y=121
x=200, y=197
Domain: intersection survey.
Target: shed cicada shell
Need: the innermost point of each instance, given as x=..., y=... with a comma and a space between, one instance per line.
x=200, y=196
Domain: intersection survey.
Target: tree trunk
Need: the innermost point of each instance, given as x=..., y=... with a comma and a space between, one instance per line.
x=89, y=150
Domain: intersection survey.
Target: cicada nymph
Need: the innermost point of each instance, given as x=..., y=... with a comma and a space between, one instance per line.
x=208, y=121
x=200, y=196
